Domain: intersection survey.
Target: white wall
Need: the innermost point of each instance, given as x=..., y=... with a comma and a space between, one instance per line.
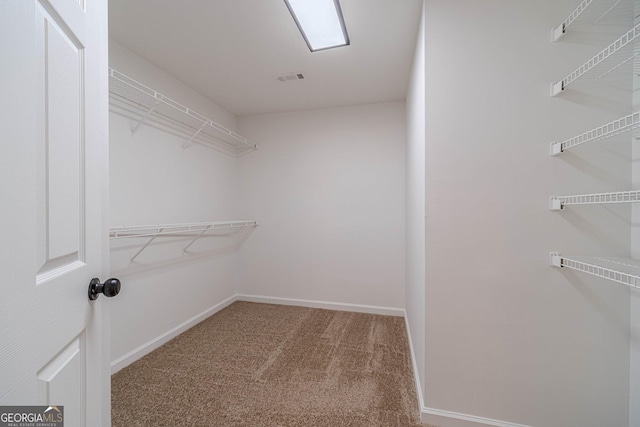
x=153, y=180
x=415, y=206
x=327, y=187
x=634, y=375
x=508, y=337
x=634, y=356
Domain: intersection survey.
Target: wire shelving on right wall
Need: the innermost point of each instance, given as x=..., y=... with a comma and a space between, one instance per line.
x=620, y=55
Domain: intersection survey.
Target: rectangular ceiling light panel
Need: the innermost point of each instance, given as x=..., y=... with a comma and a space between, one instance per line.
x=320, y=22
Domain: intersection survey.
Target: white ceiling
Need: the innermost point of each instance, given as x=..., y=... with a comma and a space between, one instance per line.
x=231, y=50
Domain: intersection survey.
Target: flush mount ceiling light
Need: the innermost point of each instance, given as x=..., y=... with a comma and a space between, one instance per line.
x=320, y=22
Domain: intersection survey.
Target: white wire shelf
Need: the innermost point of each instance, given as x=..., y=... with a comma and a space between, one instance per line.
x=610, y=59
x=195, y=127
x=594, y=12
x=619, y=270
x=559, y=202
x=616, y=127
x=196, y=230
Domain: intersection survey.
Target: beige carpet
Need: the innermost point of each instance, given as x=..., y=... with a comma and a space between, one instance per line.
x=272, y=365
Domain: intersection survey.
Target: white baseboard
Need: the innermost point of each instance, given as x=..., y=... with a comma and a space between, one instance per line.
x=146, y=348
x=414, y=364
x=338, y=306
x=441, y=418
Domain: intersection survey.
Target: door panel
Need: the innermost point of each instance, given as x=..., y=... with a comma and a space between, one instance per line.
x=53, y=182
x=61, y=149
x=62, y=377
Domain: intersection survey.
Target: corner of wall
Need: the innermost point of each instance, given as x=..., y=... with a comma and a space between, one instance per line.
x=415, y=210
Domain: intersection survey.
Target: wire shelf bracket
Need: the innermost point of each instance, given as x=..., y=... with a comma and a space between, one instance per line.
x=607, y=56
x=557, y=203
x=156, y=230
x=190, y=140
x=594, y=12
x=196, y=238
x=561, y=29
x=151, y=105
x=135, y=128
x=145, y=246
x=616, y=127
x=618, y=270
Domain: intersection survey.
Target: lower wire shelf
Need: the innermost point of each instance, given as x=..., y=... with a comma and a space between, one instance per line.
x=195, y=230
x=620, y=270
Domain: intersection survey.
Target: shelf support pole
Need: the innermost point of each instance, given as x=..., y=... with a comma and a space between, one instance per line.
x=196, y=238
x=186, y=144
x=146, y=116
x=146, y=245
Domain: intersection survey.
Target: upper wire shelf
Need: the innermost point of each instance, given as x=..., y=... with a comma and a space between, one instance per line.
x=153, y=105
x=196, y=230
x=616, y=127
x=559, y=202
x=619, y=270
x=613, y=57
x=594, y=12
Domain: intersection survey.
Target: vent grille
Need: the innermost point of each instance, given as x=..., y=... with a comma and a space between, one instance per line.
x=290, y=77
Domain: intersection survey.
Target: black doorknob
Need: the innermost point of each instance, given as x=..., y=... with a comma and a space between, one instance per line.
x=110, y=288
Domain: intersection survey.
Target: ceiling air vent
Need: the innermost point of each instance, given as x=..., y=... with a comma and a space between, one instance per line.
x=290, y=76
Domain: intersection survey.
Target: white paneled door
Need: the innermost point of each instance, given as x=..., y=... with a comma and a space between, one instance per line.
x=53, y=207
